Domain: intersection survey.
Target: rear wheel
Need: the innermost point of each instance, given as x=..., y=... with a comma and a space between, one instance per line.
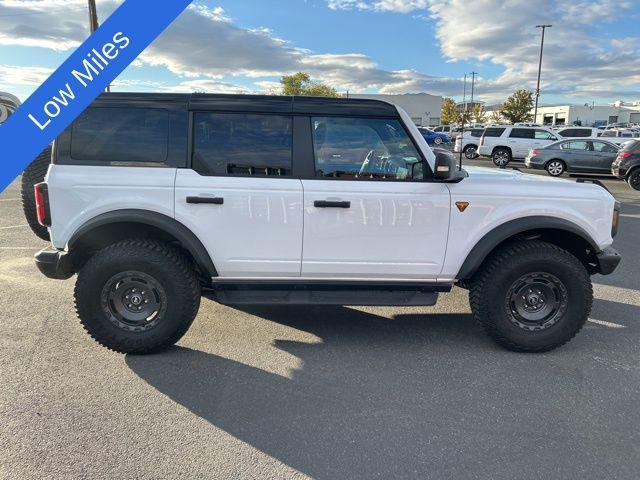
x=33, y=174
x=437, y=140
x=470, y=151
x=137, y=296
x=501, y=157
x=555, y=168
x=531, y=296
x=634, y=179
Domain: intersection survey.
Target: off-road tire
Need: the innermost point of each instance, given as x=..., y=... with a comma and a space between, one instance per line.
x=167, y=265
x=501, y=157
x=33, y=174
x=634, y=178
x=488, y=295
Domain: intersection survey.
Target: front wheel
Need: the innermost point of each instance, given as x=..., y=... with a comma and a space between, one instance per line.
x=501, y=157
x=531, y=296
x=437, y=141
x=137, y=296
x=555, y=168
x=634, y=179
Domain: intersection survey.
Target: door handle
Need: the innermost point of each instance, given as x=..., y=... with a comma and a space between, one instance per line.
x=214, y=200
x=331, y=204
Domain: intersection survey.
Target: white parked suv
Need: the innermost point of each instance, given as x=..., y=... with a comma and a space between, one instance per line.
x=579, y=132
x=506, y=142
x=468, y=142
x=155, y=200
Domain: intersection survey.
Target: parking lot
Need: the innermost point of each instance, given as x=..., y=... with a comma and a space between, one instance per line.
x=323, y=392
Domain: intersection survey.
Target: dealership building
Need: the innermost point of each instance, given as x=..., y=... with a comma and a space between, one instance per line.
x=423, y=108
x=588, y=115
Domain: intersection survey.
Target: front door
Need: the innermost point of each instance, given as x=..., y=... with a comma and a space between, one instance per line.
x=368, y=213
x=239, y=198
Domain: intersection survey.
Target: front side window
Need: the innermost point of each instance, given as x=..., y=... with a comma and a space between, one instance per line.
x=543, y=135
x=580, y=145
x=242, y=144
x=364, y=148
x=103, y=134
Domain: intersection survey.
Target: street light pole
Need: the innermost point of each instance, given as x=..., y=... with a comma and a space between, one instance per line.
x=473, y=82
x=535, y=110
x=464, y=107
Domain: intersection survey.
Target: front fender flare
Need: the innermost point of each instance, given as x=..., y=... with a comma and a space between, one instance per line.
x=507, y=230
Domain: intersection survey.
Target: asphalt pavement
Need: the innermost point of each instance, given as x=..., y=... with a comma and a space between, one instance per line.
x=327, y=393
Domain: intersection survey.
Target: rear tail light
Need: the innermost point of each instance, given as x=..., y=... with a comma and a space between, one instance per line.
x=624, y=154
x=42, y=204
x=534, y=152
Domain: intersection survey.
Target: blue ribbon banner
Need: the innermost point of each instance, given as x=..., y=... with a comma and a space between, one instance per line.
x=80, y=79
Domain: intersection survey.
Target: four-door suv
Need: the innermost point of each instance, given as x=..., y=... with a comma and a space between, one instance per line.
x=626, y=166
x=504, y=143
x=154, y=200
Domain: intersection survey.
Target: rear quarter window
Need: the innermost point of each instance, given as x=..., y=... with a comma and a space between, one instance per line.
x=110, y=134
x=493, y=132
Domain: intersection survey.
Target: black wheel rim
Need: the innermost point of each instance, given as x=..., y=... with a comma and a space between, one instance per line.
x=536, y=301
x=134, y=301
x=635, y=181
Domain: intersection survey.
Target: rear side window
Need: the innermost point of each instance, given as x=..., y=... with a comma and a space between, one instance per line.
x=633, y=146
x=476, y=132
x=120, y=135
x=493, y=132
x=522, y=133
x=575, y=145
x=576, y=132
x=242, y=144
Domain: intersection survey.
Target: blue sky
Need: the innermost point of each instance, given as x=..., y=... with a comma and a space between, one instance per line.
x=390, y=46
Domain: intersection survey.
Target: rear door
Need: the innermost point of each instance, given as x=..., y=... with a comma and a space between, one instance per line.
x=240, y=197
x=577, y=155
x=604, y=154
x=368, y=211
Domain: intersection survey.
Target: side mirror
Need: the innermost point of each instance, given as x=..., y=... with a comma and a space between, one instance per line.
x=446, y=168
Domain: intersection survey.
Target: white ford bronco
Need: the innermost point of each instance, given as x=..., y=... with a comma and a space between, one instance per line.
x=155, y=200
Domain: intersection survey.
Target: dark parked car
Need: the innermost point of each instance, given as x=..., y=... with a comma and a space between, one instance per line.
x=627, y=164
x=576, y=155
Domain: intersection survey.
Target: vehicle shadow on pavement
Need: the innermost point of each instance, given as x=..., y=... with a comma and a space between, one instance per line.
x=415, y=396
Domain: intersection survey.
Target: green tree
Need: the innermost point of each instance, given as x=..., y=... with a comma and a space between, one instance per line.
x=478, y=113
x=301, y=84
x=517, y=108
x=495, y=116
x=449, y=113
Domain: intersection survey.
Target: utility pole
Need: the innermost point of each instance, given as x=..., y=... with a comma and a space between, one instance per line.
x=93, y=16
x=535, y=110
x=93, y=23
x=464, y=108
x=473, y=81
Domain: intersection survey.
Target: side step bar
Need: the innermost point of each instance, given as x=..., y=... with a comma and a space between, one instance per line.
x=361, y=294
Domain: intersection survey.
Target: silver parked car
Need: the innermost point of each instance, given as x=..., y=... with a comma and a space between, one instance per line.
x=585, y=155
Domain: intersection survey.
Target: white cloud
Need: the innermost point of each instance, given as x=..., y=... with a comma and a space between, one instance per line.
x=205, y=50
x=400, y=6
x=26, y=76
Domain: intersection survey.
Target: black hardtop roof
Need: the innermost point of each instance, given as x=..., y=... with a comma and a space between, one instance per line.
x=255, y=103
